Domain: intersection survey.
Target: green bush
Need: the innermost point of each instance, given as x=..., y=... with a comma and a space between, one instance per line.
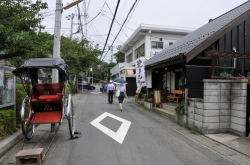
x=150, y=96
x=180, y=109
x=7, y=122
x=150, y=100
x=70, y=88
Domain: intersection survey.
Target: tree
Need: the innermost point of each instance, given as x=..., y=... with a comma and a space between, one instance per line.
x=79, y=55
x=119, y=56
x=44, y=50
x=19, y=25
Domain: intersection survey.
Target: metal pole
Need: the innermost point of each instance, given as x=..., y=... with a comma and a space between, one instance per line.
x=71, y=29
x=111, y=53
x=92, y=74
x=82, y=82
x=57, y=37
x=56, y=48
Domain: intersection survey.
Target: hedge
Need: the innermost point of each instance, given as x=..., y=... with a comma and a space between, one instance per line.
x=7, y=122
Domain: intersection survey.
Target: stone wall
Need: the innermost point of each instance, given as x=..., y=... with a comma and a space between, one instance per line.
x=223, y=108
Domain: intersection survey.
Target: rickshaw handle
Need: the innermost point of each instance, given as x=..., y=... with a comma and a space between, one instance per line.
x=69, y=105
x=25, y=101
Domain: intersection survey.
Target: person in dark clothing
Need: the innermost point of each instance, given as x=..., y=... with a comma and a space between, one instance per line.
x=110, y=91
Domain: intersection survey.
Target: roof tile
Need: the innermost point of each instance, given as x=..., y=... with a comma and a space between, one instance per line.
x=190, y=41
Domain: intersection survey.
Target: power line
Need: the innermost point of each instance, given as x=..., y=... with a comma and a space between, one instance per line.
x=133, y=12
x=111, y=26
x=116, y=20
x=95, y=31
x=88, y=5
x=79, y=17
x=123, y=24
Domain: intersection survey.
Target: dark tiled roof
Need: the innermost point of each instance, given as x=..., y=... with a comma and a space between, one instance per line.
x=190, y=41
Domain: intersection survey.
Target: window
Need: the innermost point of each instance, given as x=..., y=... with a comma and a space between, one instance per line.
x=157, y=45
x=129, y=58
x=140, y=51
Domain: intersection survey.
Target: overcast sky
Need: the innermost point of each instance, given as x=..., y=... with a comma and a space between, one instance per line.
x=186, y=14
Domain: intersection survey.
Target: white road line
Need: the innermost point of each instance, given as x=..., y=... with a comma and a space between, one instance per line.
x=119, y=136
x=95, y=92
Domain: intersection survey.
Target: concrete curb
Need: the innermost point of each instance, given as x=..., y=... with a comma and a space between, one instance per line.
x=10, y=141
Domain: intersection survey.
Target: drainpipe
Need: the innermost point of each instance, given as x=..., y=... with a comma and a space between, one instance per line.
x=234, y=51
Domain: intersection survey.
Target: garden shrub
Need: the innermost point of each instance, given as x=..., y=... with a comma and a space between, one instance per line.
x=180, y=109
x=72, y=86
x=7, y=122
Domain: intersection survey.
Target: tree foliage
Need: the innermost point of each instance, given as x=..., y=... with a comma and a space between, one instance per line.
x=79, y=55
x=21, y=39
x=19, y=24
x=119, y=56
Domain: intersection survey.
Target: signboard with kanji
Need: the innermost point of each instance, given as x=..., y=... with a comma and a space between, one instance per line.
x=140, y=73
x=157, y=98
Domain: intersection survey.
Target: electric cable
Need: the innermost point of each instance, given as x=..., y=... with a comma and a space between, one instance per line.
x=133, y=12
x=111, y=26
x=123, y=24
x=117, y=21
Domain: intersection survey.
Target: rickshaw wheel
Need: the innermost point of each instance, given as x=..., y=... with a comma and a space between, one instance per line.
x=71, y=119
x=28, y=130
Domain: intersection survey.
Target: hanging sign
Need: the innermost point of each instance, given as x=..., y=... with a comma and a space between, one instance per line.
x=140, y=73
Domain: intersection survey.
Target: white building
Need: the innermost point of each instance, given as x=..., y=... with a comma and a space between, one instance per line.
x=145, y=42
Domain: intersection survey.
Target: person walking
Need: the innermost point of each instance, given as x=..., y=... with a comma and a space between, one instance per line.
x=122, y=89
x=110, y=91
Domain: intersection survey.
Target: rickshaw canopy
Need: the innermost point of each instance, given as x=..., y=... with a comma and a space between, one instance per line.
x=39, y=63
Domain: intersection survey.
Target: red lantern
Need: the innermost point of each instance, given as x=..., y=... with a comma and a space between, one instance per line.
x=99, y=67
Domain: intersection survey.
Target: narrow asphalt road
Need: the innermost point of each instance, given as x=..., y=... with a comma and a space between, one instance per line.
x=113, y=137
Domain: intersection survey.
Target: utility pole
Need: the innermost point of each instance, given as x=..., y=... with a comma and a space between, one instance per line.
x=111, y=49
x=57, y=34
x=85, y=17
x=71, y=29
x=91, y=69
x=57, y=38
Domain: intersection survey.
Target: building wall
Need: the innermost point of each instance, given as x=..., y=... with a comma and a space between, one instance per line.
x=147, y=39
x=116, y=69
x=223, y=108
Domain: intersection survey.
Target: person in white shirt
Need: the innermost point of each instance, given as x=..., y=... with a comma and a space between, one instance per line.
x=110, y=91
x=122, y=88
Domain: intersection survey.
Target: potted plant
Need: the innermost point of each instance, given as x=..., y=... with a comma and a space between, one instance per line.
x=248, y=79
x=225, y=75
x=148, y=101
x=180, y=111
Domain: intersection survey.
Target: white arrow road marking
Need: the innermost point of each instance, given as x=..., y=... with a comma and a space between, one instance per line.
x=95, y=92
x=121, y=132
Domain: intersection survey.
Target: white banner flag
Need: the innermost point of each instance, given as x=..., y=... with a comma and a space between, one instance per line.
x=140, y=73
